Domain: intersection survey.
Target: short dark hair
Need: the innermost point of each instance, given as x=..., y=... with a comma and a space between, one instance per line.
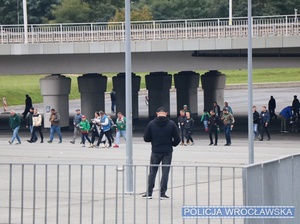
x=161, y=109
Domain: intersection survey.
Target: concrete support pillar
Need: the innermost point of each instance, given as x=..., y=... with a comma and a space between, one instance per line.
x=55, y=90
x=186, y=84
x=119, y=87
x=92, y=88
x=158, y=85
x=213, y=84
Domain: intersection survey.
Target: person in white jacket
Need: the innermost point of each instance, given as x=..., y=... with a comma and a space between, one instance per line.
x=37, y=126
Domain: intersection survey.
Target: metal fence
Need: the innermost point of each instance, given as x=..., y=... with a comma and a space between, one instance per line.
x=287, y=25
x=70, y=194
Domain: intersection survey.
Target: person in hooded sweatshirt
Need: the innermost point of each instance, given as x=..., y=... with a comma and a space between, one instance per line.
x=163, y=135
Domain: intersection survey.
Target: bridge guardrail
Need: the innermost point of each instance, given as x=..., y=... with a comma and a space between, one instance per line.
x=287, y=25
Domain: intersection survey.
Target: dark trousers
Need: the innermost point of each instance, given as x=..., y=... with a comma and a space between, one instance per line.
x=33, y=136
x=264, y=129
x=188, y=136
x=85, y=136
x=227, y=130
x=106, y=133
x=213, y=130
x=272, y=113
x=156, y=159
x=182, y=134
x=94, y=135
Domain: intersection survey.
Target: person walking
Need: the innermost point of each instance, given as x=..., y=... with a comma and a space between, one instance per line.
x=213, y=128
x=95, y=128
x=29, y=123
x=229, y=109
x=216, y=109
x=163, y=135
x=76, y=120
x=14, y=124
x=255, y=123
x=228, y=121
x=272, y=107
x=105, y=127
x=55, y=127
x=120, y=129
x=205, y=118
x=189, y=129
x=181, y=125
x=284, y=115
x=264, y=120
x=296, y=106
x=37, y=126
x=113, y=100
x=28, y=105
x=84, y=127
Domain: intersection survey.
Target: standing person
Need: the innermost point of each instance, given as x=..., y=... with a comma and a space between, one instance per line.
x=205, y=118
x=213, y=128
x=28, y=104
x=84, y=126
x=255, y=122
x=55, y=127
x=216, y=109
x=163, y=135
x=105, y=127
x=185, y=109
x=228, y=121
x=284, y=115
x=29, y=124
x=76, y=120
x=296, y=106
x=95, y=128
x=181, y=125
x=264, y=120
x=113, y=100
x=14, y=124
x=229, y=109
x=37, y=126
x=189, y=129
x=120, y=129
x=271, y=107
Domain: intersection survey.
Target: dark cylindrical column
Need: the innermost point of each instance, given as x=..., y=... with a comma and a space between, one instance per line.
x=92, y=87
x=158, y=85
x=55, y=90
x=119, y=87
x=213, y=84
x=186, y=84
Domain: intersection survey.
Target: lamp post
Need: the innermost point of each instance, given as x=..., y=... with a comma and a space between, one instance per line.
x=25, y=21
x=230, y=12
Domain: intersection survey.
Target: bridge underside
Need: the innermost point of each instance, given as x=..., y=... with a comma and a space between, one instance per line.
x=147, y=62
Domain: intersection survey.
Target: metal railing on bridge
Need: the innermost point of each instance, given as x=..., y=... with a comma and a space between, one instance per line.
x=285, y=25
x=64, y=193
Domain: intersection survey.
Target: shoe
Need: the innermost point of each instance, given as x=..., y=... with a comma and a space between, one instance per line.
x=73, y=142
x=229, y=144
x=103, y=145
x=281, y=131
x=59, y=142
x=163, y=197
x=29, y=141
x=268, y=139
x=116, y=146
x=10, y=142
x=215, y=144
x=18, y=143
x=192, y=143
x=109, y=146
x=181, y=143
x=226, y=144
x=83, y=145
x=49, y=141
x=285, y=132
x=80, y=142
x=35, y=140
x=187, y=143
x=91, y=146
x=42, y=141
x=149, y=196
x=260, y=139
x=211, y=143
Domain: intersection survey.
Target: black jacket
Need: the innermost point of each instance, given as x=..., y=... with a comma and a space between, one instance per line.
x=163, y=135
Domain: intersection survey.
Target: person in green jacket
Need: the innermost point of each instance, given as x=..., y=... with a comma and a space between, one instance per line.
x=14, y=123
x=120, y=129
x=84, y=126
x=205, y=118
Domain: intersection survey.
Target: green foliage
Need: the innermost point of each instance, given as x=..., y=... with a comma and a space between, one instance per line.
x=72, y=11
x=143, y=14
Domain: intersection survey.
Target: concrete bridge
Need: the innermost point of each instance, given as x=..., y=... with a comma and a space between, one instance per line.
x=180, y=45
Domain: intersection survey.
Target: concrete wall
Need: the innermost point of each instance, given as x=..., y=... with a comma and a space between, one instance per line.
x=273, y=183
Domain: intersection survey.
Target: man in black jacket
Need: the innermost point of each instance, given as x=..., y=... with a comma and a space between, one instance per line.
x=163, y=135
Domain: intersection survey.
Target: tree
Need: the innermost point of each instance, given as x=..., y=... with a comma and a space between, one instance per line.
x=72, y=11
x=142, y=14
